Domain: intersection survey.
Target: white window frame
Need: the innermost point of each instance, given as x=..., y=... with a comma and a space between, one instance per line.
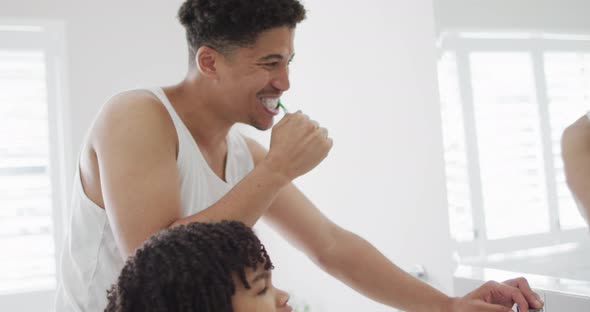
x=48, y=36
x=536, y=45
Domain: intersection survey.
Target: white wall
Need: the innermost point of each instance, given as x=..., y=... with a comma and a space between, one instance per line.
x=367, y=72
x=523, y=15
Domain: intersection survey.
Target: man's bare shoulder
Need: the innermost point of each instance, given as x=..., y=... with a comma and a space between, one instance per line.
x=133, y=115
x=256, y=149
x=578, y=132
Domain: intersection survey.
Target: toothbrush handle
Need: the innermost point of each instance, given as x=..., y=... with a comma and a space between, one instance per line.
x=283, y=107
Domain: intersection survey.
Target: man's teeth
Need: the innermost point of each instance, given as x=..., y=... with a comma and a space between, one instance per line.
x=270, y=103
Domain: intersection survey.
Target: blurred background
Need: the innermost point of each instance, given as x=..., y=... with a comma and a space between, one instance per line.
x=446, y=118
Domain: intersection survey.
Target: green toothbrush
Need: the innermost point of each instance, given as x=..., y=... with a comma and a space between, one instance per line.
x=283, y=107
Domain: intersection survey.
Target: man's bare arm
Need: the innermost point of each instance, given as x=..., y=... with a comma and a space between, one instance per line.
x=331, y=248
x=135, y=147
x=575, y=151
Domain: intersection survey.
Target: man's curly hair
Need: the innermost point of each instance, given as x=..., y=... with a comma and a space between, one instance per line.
x=226, y=24
x=188, y=268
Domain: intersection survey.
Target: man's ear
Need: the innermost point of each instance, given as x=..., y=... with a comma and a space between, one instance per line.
x=207, y=60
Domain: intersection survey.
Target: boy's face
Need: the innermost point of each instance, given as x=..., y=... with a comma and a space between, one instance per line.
x=262, y=295
x=253, y=78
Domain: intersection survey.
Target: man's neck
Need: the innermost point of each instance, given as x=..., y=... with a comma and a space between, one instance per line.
x=195, y=106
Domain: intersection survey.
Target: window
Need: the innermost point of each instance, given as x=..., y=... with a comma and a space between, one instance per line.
x=25, y=189
x=505, y=100
x=31, y=158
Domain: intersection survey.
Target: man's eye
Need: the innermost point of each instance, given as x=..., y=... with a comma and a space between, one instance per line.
x=273, y=64
x=263, y=291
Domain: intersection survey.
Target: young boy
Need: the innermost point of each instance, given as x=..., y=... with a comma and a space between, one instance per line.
x=199, y=267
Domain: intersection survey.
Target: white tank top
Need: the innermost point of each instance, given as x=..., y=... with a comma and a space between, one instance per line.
x=90, y=261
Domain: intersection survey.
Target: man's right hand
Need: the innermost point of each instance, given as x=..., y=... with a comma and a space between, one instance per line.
x=297, y=145
x=494, y=296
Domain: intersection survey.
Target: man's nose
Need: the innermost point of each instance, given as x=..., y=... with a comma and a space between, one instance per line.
x=282, y=297
x=281, y=80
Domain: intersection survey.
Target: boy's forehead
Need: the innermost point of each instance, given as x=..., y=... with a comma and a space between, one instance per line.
x=251, y=275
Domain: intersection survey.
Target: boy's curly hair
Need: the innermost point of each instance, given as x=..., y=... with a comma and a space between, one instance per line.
x=226, y=24
x=188, y=268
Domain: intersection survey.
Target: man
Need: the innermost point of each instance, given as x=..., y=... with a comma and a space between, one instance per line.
x=199, y=267
x=175, y=148
x=575, y=151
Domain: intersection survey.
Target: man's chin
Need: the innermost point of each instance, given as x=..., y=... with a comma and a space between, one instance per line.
x=261, y=126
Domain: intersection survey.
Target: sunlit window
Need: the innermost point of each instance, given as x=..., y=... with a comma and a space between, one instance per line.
x=509, y=144
x=505, y=102
x=460, y=214
x=27, y=258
